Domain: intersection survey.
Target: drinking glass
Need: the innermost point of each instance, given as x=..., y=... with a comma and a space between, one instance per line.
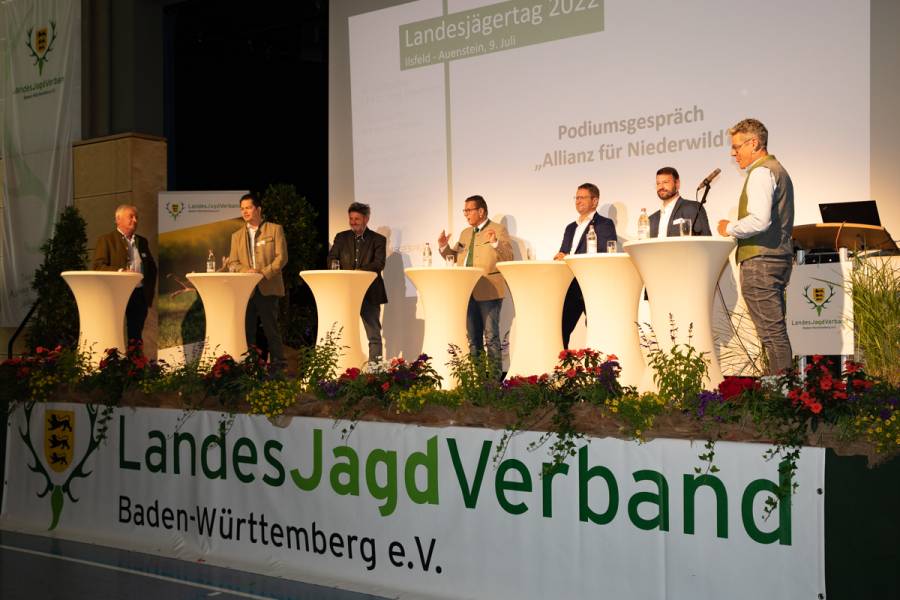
x=611, y=247
x=335, y=265
x=685, y=227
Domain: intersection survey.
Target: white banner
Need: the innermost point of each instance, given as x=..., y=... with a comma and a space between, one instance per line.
x=420, y=512
x=41, y=89
x=819, y=309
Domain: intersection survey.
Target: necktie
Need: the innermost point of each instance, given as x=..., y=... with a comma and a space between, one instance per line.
x=470, y=253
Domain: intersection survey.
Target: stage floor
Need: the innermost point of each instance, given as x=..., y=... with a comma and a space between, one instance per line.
x=40, y=567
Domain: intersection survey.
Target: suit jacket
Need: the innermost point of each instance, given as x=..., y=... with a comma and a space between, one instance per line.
x=372, y=251
x=111, y=254
x=271, y=256
x=491, y=286
x=603, y=227
x=684, y=209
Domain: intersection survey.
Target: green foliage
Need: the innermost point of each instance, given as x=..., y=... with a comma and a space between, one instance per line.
x=636, y=411
x=55, y=323
x=419, y=396
x=283, y=205
x=477, y=377
x=679, y=373
x=875, y=287
x=319, y=363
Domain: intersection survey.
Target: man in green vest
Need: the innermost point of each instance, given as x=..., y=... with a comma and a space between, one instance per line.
x=763, y=233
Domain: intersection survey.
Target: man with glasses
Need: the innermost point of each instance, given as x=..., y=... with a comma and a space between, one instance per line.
x=483, y=244
x=574, y=241
x=763, y=231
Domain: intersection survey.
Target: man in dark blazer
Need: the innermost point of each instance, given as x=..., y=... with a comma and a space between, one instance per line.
x=574, y=241
x=676, y=208
x=361, y=249
x=124, y=250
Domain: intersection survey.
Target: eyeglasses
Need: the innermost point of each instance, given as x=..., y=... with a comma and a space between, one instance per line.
x=736, y=147
x=468, y=210
x=582, y=197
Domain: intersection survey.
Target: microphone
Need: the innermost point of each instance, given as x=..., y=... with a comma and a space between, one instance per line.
x=709, y=178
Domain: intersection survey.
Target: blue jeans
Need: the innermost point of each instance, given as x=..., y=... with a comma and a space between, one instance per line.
x=763, y=282
x=483, y=327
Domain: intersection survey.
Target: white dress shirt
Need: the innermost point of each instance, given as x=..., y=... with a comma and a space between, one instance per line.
x=760, y=191
x=580, y=227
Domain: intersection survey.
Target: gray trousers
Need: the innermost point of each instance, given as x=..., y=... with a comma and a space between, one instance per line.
x=370, y=312
x=763, y=283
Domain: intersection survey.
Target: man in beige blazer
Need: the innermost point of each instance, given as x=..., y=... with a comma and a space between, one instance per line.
x=483, y=244
x=269, y=255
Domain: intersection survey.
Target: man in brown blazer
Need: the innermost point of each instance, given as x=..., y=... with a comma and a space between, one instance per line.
x=483, y=244
x=124, y=250
x=268, y=256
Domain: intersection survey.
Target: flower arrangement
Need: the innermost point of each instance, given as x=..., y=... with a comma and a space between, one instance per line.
x=273, y=397
x=379, y=385
x=119, y=372
x=32, y=377
x=230, y=380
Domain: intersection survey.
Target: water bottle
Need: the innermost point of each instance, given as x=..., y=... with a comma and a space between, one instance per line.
x=643, y=225
x=426, y=255
x=591, y=240
x=211, y=262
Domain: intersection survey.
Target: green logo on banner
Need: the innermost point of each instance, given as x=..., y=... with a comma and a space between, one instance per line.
x=40, y=43
x=817, y=298
x=59, y=454
x=174, y=209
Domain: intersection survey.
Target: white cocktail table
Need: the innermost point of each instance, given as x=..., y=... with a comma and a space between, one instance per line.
x=101, y=297
x=444, y=292
x=225, y=297
x=538, y=289
x=680, y=275
x=611, y=286
x=339, y=295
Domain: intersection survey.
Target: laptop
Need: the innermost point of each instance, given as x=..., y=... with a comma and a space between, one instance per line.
x=862, y=213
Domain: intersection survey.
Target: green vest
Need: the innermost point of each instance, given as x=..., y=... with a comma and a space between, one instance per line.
x=776, y=240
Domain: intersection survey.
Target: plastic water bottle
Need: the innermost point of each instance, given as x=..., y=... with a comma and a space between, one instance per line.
x=211, y=262
x=426, y=255
x=643, y=225
x=591, y=240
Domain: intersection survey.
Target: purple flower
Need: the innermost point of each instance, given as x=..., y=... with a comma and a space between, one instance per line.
x=330, y=388
x=885, y=414
x=705, y=398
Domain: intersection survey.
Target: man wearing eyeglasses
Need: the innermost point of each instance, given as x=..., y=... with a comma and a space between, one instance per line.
x=763, y=231
x=574, y=241
x=483, y=244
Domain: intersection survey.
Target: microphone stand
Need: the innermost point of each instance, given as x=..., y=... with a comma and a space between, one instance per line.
x=694, y=230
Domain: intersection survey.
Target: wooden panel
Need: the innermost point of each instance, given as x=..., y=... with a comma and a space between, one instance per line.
x=102, y=168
